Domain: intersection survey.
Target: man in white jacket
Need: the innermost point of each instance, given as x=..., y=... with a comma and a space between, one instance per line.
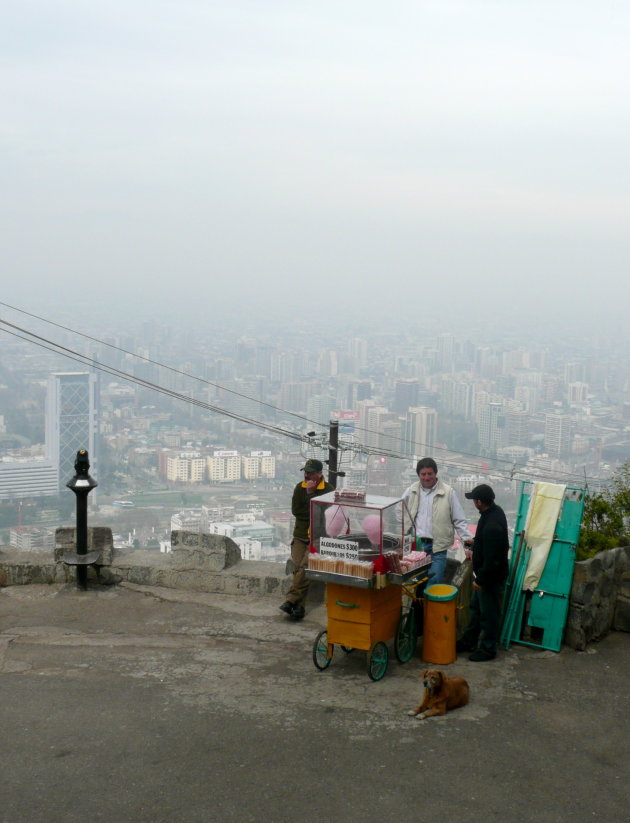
x=437, y=514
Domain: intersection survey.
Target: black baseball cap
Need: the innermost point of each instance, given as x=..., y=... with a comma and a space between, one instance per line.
x=482, y=492
x=312, y=466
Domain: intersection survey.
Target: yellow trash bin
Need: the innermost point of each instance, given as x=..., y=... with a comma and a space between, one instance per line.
x=440, y=624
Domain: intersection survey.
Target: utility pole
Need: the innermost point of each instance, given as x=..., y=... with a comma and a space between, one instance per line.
x=333, y=453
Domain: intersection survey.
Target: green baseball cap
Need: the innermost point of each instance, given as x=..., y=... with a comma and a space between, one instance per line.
x=312, y=466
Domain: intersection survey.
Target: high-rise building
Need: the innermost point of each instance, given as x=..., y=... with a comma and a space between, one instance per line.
x=420, y=431
x=485, y=362
x=512, y=360
x=518, y=428
x=357, y=353
x=242, y=397
x=406, y=394
x=363, y=407
x=574, y=372
x=577, y=392
x=358, y=390
x=557, y=434
x=445, y=351
x=319, y=408
x=71, y=421
x=28, y=478
x=457, y=396
x=492, y=428
x=527, y=396
x=327, y=365
x=464, y=399
x=258, y=464
x=375, y=417
x=224, y=467
x=294, y=396
x=186, y=468
x=391, y=429
x=505, y=385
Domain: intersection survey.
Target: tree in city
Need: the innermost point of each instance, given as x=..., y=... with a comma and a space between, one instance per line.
x=606, y=521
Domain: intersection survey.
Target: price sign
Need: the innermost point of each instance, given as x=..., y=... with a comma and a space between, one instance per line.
x=340, y=549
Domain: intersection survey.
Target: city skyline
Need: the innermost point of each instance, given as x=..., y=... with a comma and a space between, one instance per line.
x=189, y=418
x=506, y=372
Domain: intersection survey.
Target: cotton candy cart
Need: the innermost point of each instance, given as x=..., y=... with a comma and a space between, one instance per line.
x=364, y=548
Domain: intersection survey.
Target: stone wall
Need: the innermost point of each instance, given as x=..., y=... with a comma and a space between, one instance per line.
x=621, y=622
x=600, y=598
x=599, y=603
x=204, y=563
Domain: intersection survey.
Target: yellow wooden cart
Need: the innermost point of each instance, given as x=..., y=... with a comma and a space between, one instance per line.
x=368, y=612
x=368, y=619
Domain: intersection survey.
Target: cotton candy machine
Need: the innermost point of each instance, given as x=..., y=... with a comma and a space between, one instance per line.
x=360, y=549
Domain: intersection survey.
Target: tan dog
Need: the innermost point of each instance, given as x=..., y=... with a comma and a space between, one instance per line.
x=441, y=694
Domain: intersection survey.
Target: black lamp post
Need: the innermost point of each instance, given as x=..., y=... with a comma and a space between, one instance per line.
x=81, y=484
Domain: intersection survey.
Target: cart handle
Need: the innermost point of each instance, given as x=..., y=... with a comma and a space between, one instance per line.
x=347, y=605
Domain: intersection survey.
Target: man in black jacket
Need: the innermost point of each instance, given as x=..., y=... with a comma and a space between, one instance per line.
x=313, y=485
x=490, y=570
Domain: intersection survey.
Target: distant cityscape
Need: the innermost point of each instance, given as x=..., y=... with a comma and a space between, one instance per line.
x=209, y=431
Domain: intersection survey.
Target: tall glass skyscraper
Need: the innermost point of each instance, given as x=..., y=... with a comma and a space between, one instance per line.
x=71, y=424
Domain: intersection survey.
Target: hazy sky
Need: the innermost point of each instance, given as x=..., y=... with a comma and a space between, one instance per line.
x=368, y=159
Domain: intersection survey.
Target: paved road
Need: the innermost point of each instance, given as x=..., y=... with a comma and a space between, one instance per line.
x=131, y=704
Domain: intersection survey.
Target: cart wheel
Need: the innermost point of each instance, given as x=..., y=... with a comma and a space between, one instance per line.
x=320, y=651
x=347, y=649
x=406, y=636
x=378, y=658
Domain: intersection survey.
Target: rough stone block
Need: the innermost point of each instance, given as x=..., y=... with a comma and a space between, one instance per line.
x=607, y=584
x=594, y=594
x=624, y=585
x=99, y=539
x=213, y=552
x=621, y=622
x=602, y=621
x=575, y=634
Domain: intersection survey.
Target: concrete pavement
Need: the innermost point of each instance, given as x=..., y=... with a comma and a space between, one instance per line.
x=133, y=703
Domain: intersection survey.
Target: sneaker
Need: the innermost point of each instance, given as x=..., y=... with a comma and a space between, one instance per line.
x=298, y=612
x=287, y=607
x=481, y=655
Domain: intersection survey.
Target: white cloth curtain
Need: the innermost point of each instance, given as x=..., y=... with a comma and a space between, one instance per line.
x=544, y=509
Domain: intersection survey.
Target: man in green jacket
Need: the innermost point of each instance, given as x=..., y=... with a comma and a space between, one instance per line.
x=312, y=486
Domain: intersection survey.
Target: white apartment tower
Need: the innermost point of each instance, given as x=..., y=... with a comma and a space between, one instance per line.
x=71, y=421
x=492, y=428
x=224, y=467
x=557, y=434
x=420, y=431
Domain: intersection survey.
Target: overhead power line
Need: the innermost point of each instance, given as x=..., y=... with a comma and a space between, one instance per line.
x=359, y=448
x=84, y=360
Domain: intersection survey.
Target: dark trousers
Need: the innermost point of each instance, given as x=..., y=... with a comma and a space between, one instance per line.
x=485, y=617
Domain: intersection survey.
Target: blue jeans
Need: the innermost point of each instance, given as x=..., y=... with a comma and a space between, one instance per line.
x=438, y=566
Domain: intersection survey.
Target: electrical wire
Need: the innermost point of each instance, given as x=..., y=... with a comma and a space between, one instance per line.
x=84, y=360
x=496, y=461
x=305, y=419
x=363, y=449
x=158, y=363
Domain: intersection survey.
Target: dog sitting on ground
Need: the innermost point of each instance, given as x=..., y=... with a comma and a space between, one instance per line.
x=441, y=694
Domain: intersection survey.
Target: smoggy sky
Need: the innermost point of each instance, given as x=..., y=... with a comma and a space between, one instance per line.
x=452, y=158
